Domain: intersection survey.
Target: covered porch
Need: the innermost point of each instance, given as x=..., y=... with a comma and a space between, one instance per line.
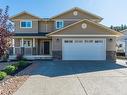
x=31, y=47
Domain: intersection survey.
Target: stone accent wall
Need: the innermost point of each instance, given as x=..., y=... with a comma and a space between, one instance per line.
x=111, y=55
x=57, y=55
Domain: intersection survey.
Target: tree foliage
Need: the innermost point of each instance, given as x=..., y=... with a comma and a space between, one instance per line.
x=119, y=28
x=5, y=31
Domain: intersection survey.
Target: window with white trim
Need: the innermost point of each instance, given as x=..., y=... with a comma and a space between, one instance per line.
x=98, y=41
x=88, y=41
x=68, y=41
x=26, y=24
x=59, y=24
x=26, y=43
x=78, y=41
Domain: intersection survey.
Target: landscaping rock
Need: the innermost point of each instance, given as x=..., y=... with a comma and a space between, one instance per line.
x=12, y=84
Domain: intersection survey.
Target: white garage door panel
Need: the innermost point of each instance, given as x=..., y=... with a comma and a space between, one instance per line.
x=85, y=49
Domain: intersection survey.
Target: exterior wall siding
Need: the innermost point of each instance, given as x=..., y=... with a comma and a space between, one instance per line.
x=91, y=29
x=42, y=26
x=34, y=28
x=48, y=26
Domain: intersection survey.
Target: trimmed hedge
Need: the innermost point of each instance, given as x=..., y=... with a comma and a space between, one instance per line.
x=2, y=75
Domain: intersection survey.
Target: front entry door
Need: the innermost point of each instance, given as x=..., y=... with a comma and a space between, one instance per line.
x=46, y=48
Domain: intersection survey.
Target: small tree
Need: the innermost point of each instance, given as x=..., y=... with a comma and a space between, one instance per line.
x=5, y=31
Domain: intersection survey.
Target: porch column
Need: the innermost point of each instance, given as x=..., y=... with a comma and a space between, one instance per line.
x=34, y=47
x=33, y=42
x=22, y=46
x=13, y=45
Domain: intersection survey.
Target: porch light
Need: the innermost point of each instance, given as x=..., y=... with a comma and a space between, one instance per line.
x=57, y=39
x=110, y=39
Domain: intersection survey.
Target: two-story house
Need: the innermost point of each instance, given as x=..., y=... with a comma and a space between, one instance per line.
x=72, y=35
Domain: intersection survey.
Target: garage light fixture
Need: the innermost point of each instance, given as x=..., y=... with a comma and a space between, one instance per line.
x=57, y=39
x=110, y=39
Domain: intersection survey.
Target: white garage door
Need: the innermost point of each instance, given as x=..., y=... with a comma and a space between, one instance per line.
x=84, y=49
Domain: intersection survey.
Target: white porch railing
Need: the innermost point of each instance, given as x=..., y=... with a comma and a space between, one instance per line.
x=27, y=51
x=16, y=50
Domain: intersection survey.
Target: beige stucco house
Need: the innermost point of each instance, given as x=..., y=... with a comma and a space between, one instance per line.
x=72, y=35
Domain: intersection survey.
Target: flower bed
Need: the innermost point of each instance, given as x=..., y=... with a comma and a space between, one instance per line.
x=14, y=69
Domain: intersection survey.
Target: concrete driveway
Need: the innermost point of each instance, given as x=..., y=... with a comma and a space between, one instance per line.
x=76, y=78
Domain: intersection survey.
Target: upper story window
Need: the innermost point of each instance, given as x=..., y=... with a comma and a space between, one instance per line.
x=59, y=24
x=26, y=24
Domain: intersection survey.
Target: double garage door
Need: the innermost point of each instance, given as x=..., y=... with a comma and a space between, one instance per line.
x=84, y=49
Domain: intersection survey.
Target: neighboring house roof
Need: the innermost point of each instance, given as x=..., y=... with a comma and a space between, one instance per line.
x=30, y=34
x=24, y=12
x=97, y=24
x=76, y=8
x=125, y=30
x=124, y=37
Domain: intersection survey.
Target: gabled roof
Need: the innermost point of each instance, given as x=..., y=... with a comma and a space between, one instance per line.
x=76, y=8
x=24, y=12
x=97, y=24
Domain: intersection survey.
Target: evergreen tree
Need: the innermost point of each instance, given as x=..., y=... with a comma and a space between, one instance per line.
x=119, y=28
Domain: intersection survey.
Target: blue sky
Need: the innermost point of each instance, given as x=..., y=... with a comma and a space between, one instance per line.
x=113, y=11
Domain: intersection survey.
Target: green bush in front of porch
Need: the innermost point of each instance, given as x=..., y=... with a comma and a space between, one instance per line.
x=14, y=68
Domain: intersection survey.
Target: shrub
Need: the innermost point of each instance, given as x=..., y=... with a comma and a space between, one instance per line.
x=19, y=56
x=2, y=75
x=16, y=65
x=22, y=64
x=10, y=69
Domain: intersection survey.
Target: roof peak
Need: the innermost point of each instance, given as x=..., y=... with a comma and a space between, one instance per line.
x=26, y=13
x=74, y=8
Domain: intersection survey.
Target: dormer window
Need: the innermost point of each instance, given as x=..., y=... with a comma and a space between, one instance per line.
x=59, y=24
x=26, y=24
